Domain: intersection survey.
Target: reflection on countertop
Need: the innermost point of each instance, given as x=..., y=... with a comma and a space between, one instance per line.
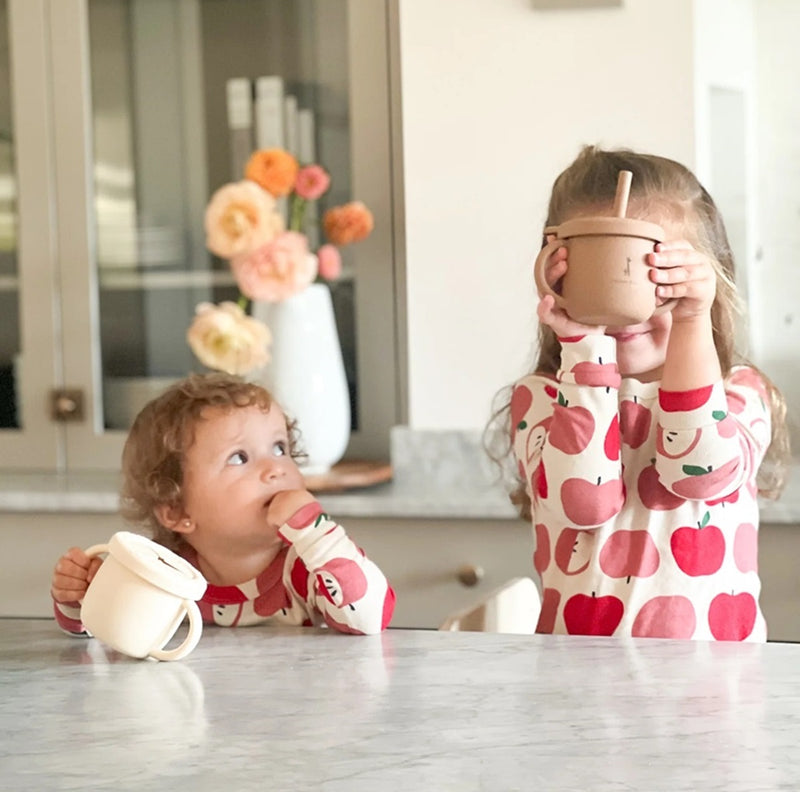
x=291, y=709
x=437, y=474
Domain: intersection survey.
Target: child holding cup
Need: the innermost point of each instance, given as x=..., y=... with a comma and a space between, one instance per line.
x=209, y=468
x=639, y=445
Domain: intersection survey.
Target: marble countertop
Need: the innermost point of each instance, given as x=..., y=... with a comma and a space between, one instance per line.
x=292, y=709
x=437, y=474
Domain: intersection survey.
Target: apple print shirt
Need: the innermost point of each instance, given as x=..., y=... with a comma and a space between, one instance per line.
x=319, y=577
x=644, y=501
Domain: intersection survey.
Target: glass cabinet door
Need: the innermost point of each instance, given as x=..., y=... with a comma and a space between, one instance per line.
x=29, y=368
x=147, y=127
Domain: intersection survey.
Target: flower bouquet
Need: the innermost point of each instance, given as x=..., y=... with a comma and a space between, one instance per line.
x=268, y=254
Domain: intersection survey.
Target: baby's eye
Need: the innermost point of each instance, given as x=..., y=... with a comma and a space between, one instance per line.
x=237, y=458
x=279, y=448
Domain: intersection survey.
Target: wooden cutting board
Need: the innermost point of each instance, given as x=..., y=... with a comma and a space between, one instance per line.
x=352, y=474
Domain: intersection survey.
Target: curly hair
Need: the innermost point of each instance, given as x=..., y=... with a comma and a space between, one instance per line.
x=665, y=187
x=154, y=452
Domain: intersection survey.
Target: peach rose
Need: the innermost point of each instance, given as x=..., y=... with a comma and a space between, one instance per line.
x=239, y=218
x=312, y=182
x=273, y=169
x=224, y=338
x=277, y=270
x=330, y=262
x=348, y=223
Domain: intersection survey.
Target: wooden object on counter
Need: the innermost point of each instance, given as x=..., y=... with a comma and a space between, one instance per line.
x=352, y=474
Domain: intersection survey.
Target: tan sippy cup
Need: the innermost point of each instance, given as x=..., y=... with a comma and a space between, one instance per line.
x=607, y=280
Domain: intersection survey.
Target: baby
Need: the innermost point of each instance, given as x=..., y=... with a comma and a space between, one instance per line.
x=209, y=468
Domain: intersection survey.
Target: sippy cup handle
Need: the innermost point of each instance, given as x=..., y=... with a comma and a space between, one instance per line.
x=542, y=285
x=189, y=643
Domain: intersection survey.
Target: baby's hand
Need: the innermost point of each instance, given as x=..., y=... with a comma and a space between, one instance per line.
x=285, y=504
x=684, y=273
x=72, y=575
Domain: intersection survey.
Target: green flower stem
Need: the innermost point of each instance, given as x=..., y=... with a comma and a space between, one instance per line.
x=297, y=213
x=243, y=302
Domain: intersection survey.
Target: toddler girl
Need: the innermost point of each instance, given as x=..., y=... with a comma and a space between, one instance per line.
x=638, y=447
x=209, y=468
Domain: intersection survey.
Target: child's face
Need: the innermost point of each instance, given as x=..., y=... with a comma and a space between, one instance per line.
x=238, y=462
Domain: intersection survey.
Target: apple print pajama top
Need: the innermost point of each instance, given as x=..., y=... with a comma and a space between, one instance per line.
x=320, y=576
x=643, y=500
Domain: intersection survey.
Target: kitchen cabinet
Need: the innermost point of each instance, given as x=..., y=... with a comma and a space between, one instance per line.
x=115, y=128
x=436, y=566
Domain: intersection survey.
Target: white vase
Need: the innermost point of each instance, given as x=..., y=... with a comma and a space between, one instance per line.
x=306, y=373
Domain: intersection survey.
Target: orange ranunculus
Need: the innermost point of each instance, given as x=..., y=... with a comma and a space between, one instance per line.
x=273, y=169
x=348, y=223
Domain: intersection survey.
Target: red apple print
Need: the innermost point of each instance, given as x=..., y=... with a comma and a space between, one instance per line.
x=665, y=617
x=634, y=421
x=536, y=437
x=731, y=617
x=705, y=483
x=551, y=391
x=745, y=548
x=653, y=494
x=593, y=615
x=572, y=427
x=736, y=402
x=599, y=374
x=683, y=401
x=589, y=503
x=611, y=443
x=547, y=615
x=749, y=378
x=539, y=481
x=730, y=498
x=698, y=551
x=726, y=423
x=674, y=445
x=628, y=554
x=521, y=400
x=541, y=558
x=341, y=581
x=574, y=550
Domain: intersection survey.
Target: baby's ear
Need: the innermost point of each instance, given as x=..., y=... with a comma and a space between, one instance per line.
x=173, y=518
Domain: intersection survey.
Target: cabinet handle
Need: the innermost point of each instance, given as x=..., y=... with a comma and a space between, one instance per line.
x=66, y=404
x=470, y=575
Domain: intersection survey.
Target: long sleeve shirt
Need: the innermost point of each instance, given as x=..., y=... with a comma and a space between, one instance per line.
x=644, y=502
x=319, y=577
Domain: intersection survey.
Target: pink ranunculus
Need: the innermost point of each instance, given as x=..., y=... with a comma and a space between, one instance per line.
x=330, y=262
x=224, y=338
x=312, y=182
x=277, y=270
x=240, y=217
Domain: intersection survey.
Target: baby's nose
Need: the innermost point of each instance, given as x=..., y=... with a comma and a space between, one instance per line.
x=272, y=469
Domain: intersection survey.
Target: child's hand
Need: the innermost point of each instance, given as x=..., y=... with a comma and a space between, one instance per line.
x=556, y=318
x=72, y=575
x=285, y=504
x=686, y=274
x=551, y=314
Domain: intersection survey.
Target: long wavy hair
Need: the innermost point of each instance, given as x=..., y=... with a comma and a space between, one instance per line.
x=671, y=191
x=153, y=458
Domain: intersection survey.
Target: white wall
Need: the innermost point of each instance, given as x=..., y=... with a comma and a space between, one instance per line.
x=497, y=100
x=777, y=334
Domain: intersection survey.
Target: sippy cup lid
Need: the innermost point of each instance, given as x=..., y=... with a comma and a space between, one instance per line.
x=157, y=565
